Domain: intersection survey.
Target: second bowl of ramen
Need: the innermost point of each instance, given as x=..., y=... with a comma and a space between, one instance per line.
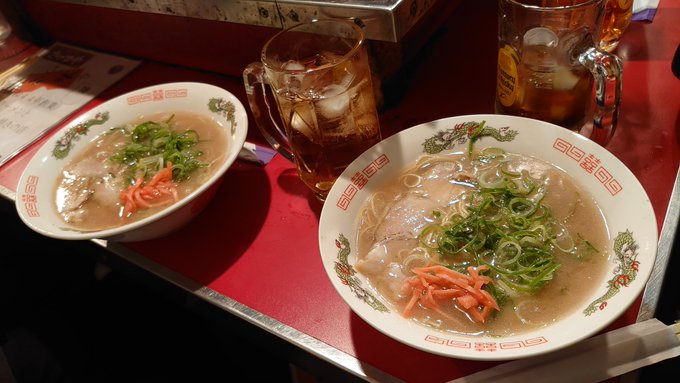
x=135, y=167
x=488, y=237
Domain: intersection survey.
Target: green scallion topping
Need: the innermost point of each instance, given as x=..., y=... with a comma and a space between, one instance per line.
x=154, y=144
x=507, y=228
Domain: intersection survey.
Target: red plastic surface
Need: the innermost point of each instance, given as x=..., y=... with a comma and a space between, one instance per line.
x=257, y=242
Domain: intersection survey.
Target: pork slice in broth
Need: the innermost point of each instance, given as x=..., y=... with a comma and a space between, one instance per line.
x=396, y=233
x=384, y=263
x=411, y=212
x=405, y=218
x=89, y=179
x=74, y=190
x=382, y=254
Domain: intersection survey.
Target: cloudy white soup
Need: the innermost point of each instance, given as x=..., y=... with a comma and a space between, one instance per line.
x=133, y=171
x=490, y=243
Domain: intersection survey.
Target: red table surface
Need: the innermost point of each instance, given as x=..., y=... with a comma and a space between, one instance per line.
x=257, y=242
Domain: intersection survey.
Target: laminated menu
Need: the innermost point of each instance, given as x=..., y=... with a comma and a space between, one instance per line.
x=48, y=87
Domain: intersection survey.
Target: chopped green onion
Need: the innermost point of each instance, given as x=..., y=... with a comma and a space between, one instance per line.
x=153, y=144
x=507, y=228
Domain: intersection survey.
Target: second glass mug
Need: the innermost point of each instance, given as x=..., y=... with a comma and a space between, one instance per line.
x=320, y=78
x=548, y=58
x=617, y=17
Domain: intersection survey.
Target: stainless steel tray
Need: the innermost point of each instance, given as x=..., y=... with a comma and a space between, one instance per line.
x=385, y=20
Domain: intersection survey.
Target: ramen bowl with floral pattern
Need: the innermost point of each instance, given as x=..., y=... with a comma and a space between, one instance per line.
x=158, y=205
x=385, y=288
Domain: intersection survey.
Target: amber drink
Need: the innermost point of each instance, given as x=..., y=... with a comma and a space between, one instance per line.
x=331, y=122
x=321, y=80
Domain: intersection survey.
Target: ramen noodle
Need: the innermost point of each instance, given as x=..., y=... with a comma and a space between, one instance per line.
x=493, y=243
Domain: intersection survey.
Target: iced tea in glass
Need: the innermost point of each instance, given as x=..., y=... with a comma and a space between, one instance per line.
x=321, y=81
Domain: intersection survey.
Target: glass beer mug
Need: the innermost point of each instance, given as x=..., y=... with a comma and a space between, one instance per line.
x=548, y=59
x=319, y=75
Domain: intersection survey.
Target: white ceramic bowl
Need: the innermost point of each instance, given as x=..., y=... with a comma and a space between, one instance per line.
x=35, y=200
x=618, y=193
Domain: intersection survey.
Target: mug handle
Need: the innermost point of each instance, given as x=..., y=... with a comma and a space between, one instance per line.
x=256, y=83
x=607, y=69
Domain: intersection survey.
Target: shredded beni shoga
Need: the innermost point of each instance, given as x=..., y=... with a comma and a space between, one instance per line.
x=157, y=158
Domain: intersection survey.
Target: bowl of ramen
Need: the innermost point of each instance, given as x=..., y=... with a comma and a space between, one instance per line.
x=136, y=167
x=488, y=237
